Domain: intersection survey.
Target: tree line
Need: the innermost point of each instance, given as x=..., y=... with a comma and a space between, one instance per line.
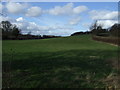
x=98, y=30
x=12, y=32
x=81, y=33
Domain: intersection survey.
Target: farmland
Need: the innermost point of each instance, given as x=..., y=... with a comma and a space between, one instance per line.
x=66, y=62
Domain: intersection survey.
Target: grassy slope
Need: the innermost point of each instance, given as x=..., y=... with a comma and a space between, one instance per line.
x=76, y=61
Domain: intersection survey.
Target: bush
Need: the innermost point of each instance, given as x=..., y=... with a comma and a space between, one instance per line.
x=9, y=31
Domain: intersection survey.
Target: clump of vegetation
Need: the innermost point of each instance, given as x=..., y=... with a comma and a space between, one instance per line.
x=115, y=30
x=9, y=31
x=97, y=30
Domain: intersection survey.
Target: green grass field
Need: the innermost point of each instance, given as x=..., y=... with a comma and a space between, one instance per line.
x=67, y=62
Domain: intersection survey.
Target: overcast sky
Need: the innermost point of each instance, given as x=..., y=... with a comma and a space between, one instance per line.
x=59, y=18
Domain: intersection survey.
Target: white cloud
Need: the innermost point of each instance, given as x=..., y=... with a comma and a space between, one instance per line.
x=49, y=30
x=36, y=29
x=74, y=21
x=21, y=23
x=19, y=19
x=58, y=10
x=79, y=9
x=67, y=9
x=15, y=8
x=103, y=14
x=34, y=11
x=107, y=23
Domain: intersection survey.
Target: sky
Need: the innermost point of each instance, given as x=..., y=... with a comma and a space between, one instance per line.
x=58, y=18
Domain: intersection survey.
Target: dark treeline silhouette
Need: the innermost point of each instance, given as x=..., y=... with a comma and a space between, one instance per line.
x=81, y=33
x=50, y=36
x=97, y=30
x=27, y=36
x=115, y=30
x=12, y=32
x=9, y=31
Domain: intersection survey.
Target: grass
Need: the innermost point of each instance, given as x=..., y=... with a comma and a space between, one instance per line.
x=67, y=62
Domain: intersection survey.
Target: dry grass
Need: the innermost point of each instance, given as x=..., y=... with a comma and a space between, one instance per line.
x=111, y=40
x=113, y=79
